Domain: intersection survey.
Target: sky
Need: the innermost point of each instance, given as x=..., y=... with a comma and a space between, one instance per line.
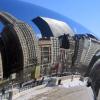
x=85, y=12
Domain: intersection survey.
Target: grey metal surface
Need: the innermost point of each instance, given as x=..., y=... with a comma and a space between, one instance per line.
x=76, y=93
x=52, y=27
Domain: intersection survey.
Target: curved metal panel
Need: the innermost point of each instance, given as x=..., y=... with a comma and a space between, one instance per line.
x=51, y=27
x=19, y=36
x=26, y=12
